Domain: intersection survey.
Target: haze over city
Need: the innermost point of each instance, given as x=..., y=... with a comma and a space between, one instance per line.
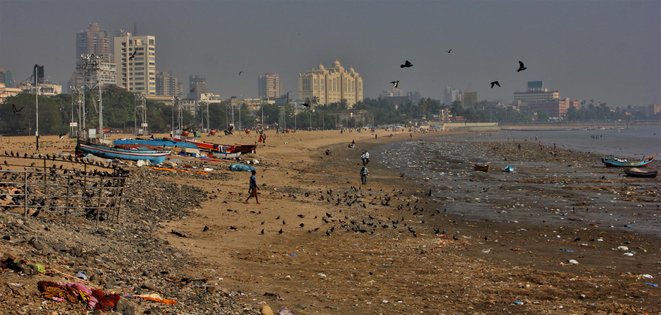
x=609, y=51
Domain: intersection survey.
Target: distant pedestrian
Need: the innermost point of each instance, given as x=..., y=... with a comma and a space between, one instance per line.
x=365, y=157
x=252, y=189
x=363, y=175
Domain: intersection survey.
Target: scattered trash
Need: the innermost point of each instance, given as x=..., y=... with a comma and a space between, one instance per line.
x=178, y=233
x=78, y=293
x=293, y=254
x=628, y=254
x=486, y=251
x=154, y=297
x=37, y=267
x=208, y=169
x=508, y=169
x=645, y=276
x=322, y=275
x=517, y=302
x=652, y=284
x=567, y=250
x=141, y=163
x=573, y=262
x=285, y=311
x=81, y=275
x=623, y=248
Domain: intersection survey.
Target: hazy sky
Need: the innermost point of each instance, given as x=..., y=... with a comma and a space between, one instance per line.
x=603, y=50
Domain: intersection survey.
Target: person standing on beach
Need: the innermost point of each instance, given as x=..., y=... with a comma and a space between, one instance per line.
x=363, y=175
x=252, y=189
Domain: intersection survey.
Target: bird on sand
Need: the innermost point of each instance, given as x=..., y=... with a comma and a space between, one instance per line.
x=407, y=64
x=395, y=84
x=521, y=66
x=494, y=83
x=206, y=228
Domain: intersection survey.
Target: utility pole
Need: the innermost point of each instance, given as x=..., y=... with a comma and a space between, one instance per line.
x=36, y=102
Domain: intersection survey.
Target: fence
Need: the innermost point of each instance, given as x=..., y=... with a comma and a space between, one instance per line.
x=93, y=192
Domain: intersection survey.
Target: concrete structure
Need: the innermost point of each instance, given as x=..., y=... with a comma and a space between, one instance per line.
x=332, y=85
x=451, y=95
x=469, y=99
x=268, y=85
x=210, y=98
x=197, y=86
x=653, y=109
x=6, y=92
x=167, y=84
x=167, y=100
x=106, y=74
x=93, y=40
x=135, y=57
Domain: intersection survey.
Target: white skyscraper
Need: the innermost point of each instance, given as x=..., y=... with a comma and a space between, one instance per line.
x=135, y=57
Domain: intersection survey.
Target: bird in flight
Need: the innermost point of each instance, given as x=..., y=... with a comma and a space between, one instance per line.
x=240, y=72
x=16, y=110
x=133, y=54
x=407, y=64
x=450, y=51
x=495, y=83
x=306, y=104
x=521, y=66
x=395, y=84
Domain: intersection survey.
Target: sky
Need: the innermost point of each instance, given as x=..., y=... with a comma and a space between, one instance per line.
x=608, y=51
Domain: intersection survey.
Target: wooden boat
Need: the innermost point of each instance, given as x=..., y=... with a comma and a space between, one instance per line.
x=155, y=157
x=481, y=167
x=152, y=143
x=225, y=155
x=242, y=148
x=617, y=162
x=637, y=172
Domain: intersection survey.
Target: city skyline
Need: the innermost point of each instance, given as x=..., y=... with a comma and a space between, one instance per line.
x=573, y=46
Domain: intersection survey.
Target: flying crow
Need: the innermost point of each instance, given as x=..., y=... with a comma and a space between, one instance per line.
x=395, y=84
x=407, y=64
x=495, y=83
x=521, y=67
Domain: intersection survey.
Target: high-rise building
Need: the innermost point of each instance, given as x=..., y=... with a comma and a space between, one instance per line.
x=268, y=85
x=451, y=95
x=93, y=40
x=167, y=84
x=332, y=85
x=469, y=99
x=135, y=57
x=197, y=85
x=6, y=78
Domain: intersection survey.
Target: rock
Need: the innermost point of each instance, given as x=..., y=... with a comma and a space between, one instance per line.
x=36, y=243
x=266, y=310
x=128, y=307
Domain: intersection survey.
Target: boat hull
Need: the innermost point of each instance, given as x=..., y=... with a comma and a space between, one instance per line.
x=155, y=157
x=636, y=172
x=614, y=162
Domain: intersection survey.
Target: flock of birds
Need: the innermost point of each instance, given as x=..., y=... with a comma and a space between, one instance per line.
x=408, y=64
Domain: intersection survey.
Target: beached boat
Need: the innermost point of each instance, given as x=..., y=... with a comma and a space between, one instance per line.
x=225, y=155
x=152, y=143
x=155, y=157
x=617, y=162
x=242, y=148
x=481, y=167
x=637, y=172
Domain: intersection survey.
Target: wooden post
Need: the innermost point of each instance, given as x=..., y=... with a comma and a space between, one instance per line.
x=98, y=206
x=66, y=200
x=25, y=194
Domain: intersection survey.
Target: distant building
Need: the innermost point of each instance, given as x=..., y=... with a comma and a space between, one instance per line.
x=332, y=85
x=6, y=78
x=167, y=84
x=197, y=86
x=45, y=89
x=653, y=109
x=135, y=58
x=210, y=98
x=93, y=40
x=451, y=95
x=469, y=99
x=6, y=92
x=106, y=75
x=539, y=99
x=268, y=85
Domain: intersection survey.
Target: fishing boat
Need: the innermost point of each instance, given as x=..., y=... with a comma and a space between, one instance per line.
x=637, y=172
x=225, y=155
x=481, y=167
x=152, y=143
x=202, y=145
x=153, y=156
x=242, y=148
x=617, y=162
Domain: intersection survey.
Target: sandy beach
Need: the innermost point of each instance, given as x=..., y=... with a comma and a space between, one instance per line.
x=429, y=238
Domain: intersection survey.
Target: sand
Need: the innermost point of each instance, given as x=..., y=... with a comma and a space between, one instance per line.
x=383, y=247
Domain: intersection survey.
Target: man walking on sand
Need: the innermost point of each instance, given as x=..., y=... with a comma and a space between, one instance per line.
x=363, y=175
x=252, y=189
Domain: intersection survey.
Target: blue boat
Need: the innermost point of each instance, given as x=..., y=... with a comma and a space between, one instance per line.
x=155, y=157
x=617, y=162
x=151, y=143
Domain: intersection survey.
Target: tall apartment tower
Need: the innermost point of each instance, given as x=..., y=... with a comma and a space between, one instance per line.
x=135, y=57
x=331, y=85
x=93, y=40
x=197, y=85
x=167, y=84
x=268, y=85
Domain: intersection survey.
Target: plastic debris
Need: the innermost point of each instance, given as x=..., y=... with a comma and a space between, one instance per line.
x=81, y=275
x=517, y=302
x=573, y=262
x=652, y=284
x=628, y=254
